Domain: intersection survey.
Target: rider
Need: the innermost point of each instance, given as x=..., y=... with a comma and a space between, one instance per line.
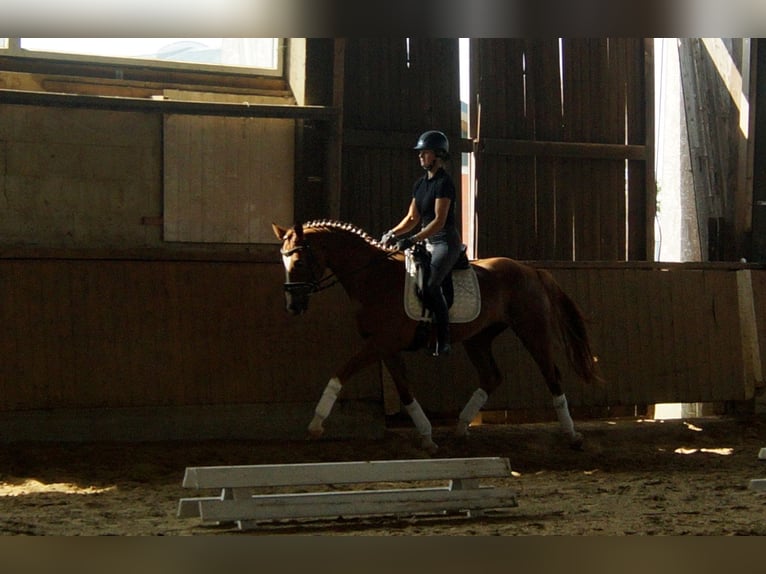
x=433, y=207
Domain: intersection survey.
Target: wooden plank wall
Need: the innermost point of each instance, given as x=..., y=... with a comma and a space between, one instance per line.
x=226, y=179
x=87, y=333
x=393, y=91
x=711, y=70
x=78, y=177
x=112, y=334
x=542, y=204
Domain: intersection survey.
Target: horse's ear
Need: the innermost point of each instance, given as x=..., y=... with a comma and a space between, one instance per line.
x=280, y=232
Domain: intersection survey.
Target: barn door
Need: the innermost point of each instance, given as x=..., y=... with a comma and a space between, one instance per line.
x=564, y=146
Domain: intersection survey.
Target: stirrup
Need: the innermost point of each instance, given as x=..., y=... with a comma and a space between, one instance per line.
x=442, y=349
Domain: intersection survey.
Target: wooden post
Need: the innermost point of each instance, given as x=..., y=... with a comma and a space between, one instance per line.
x=696, y=128
x=649, y=146
x=335, y=144
x=751, y=355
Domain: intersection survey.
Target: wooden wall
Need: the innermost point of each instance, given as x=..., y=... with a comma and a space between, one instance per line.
x=178, y=347
x=127, y=335
x=79, y=178
x=225, y=179
x=394, y=91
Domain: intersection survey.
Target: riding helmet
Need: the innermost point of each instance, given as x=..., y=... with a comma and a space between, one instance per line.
x=435, y=141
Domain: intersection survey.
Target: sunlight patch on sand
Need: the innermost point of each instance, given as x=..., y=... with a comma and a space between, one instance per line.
x=32, y=486
x=722, y=451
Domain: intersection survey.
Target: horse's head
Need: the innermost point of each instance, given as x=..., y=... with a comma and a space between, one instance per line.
x=303, y=269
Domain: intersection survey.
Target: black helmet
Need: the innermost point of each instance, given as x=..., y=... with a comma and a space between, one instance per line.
x=434, y=140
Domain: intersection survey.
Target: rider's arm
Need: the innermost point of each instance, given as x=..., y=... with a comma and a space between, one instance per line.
x=409, y=222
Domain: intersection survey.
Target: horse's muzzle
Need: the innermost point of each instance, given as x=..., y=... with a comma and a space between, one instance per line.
x=297, y=296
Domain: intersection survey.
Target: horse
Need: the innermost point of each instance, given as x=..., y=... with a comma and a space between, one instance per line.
x=322, y=253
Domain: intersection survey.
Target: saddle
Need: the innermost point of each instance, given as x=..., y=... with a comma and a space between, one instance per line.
x=460, y=287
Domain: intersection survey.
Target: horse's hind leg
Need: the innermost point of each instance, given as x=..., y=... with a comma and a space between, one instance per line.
x=479, y=350
x=540, y=346
x=397, y=370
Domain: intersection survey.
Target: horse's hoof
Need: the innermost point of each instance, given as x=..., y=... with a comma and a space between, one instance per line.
x=315, y=431
x=427, y=444
x=576, y=441
x=461, y=430
x=316, y=428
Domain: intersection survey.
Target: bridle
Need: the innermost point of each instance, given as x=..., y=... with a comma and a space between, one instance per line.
x=314, y=285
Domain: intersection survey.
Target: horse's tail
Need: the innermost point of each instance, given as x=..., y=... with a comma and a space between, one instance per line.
x=572, y=325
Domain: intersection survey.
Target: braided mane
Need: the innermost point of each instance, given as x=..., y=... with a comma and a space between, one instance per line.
x=347, y=227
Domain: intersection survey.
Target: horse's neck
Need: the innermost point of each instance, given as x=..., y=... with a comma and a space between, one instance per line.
x=355, y=265
x=353, y=259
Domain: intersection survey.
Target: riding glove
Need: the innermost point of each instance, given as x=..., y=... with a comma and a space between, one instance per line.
x=388, y=238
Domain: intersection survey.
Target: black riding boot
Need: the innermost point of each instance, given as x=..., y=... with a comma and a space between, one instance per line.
x=441, y=319
x=443, y=346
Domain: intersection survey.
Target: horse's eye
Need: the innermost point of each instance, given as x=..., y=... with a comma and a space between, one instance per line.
x=298, y=263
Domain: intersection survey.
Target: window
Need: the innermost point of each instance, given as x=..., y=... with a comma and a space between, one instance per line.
x=232, y=55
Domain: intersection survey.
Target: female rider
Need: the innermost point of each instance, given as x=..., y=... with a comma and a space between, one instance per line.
x=433, y=207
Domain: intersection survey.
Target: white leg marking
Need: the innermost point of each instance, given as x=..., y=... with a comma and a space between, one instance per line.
x=324, y=406
x=422, y=424
x=470, y=410
x=565, y=420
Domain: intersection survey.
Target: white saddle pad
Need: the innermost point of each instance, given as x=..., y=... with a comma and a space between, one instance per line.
x=467, y=302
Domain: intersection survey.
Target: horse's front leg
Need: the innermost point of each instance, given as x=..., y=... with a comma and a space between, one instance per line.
x=367, y=356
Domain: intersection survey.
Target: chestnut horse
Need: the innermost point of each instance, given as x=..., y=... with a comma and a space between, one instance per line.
x=319, y=254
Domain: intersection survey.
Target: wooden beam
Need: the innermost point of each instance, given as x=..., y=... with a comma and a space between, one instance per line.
x=562, y=149
x=400, y=140
x=695, y=125
x=743, y=222
x=166, y=106
x=497, y=146
x=751, y=354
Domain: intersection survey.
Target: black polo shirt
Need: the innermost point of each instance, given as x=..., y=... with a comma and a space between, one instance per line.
x=427, y=191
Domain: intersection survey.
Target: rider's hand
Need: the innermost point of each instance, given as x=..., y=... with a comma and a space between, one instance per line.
x=405, y=243
x=388, y=238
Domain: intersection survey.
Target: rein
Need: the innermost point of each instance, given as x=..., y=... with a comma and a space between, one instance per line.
x=316, y=285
